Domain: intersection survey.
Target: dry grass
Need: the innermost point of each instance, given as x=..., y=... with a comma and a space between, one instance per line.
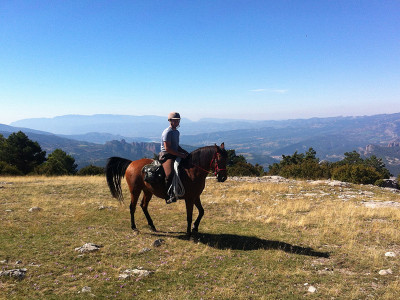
x=258, y=241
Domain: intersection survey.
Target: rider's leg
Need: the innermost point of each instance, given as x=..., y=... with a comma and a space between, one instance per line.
x=168, y=166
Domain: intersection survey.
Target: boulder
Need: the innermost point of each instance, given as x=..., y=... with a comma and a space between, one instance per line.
x=14, y=273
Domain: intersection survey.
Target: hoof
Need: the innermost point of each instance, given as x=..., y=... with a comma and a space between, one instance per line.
x=195, y=229
x=135, y=231
x=152, y=228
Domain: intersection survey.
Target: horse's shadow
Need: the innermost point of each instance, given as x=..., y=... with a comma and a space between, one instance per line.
x=247, y=243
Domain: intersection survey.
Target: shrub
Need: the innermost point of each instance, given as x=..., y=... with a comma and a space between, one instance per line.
x=380, y=182
x=305, y=170
x=58, y=163
x=245, y=169
x=358, y=174
x=91, y=170
x=6, y=169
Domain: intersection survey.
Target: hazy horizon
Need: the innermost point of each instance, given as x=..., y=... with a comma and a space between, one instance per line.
x=196, y=120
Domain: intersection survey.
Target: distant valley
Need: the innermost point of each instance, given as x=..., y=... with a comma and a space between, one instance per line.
x=91, y=139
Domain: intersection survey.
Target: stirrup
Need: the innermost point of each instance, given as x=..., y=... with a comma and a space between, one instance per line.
x=170, y=200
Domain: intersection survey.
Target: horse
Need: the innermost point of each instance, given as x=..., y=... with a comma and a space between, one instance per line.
x=195, y=168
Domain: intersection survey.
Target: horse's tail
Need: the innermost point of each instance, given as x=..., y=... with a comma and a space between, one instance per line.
x=115, y=170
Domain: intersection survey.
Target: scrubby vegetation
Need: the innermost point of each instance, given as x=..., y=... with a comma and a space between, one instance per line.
x=353, y=168
x=91, y=170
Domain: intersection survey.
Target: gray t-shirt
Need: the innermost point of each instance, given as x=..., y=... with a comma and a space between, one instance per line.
x=172, y=136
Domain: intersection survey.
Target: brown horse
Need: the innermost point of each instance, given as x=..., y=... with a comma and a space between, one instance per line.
x=195, y=168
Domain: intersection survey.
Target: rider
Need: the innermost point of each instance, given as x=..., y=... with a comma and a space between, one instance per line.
x=170, y=150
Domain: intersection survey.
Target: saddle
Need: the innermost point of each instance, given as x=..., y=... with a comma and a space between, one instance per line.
x=154, y=172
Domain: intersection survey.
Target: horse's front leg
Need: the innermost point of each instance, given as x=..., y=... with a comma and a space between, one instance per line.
x=201, y=214
x=144, y=205
x=189, y=215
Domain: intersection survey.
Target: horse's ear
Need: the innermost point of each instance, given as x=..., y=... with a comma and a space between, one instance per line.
x=222, y=146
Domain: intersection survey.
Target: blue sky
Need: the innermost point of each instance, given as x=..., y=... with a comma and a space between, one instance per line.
x=264, y=60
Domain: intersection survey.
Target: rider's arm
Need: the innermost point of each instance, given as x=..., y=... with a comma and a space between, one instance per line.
x=167, y=146
x=182, y=150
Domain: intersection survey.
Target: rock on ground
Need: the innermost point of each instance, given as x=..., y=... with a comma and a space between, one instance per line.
x=135, y=272
x=15, y=273
x=158, y=243
x=33, y=209
x=88, y=247
x=385, y=272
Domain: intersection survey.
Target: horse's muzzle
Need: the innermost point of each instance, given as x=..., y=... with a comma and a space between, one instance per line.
x=221, y=177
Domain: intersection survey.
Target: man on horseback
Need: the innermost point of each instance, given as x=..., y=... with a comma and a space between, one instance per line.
x=170, y=150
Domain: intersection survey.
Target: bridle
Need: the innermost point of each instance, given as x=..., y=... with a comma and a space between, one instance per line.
x=216, y=167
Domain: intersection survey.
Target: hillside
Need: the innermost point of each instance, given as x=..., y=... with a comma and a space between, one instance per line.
x=390, y=155
x=261, y=142
x=330, y=137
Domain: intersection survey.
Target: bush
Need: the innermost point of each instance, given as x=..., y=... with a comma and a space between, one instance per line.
x=358, y=174
x=58, y=163
x=300, y=166
x=380, y=183
x=91, y=170
x=245, y=169
x=6, y=169
x=305, y=170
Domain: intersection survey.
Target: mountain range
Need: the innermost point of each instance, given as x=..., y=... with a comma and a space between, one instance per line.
x=91, y=139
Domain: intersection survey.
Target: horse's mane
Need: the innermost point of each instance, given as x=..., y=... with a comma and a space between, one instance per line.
x=199, y=155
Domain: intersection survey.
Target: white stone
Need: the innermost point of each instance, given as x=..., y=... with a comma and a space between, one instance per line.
x=390, y=254
x=124, y=276
x=86, y=289
x=135, y=272
x=312, y=289
x=88, y=247
x=33, y=209
x=385, y=272
x=378, y=204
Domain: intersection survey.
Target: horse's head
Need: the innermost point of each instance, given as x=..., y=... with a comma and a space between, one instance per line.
x=220, y=161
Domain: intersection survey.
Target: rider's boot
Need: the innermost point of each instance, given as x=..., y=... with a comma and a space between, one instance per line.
x=170, y=191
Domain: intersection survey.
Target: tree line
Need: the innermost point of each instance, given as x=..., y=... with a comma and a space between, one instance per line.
x=21, y=156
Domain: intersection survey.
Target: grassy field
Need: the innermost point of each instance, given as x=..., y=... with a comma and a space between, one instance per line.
x=258, y=240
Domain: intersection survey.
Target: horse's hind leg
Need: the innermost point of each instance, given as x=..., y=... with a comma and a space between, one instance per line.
x=144, y=204
x=201, y=214
x=132, y=207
